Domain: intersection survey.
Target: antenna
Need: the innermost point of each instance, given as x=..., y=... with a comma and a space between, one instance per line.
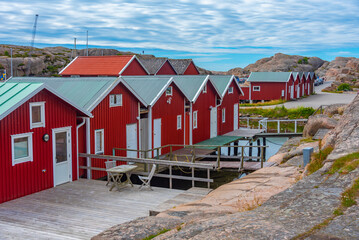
x=34, y=32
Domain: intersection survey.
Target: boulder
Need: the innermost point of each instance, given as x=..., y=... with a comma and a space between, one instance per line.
x=318, y=121
x=334, y=109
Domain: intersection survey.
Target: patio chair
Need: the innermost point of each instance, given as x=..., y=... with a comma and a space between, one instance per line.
x=109, y=164
x=146, y=180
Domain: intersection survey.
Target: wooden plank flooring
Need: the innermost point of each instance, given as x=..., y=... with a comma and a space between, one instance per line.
x=248, y=166
x=76, y=210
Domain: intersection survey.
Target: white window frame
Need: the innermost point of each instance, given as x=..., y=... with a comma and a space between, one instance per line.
x=179, y=122
x=29, y=158
x=230, y=90
x=42, y=113
x=171, y=91
x=115, y=100
x=195, y=119
x=256, y=88
x=223, y=115
x=205, y=89
x=102, y=151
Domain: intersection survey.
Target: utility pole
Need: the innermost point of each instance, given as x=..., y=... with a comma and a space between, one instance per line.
x=33, y=33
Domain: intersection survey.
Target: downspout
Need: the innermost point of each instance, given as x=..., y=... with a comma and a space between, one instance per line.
x=184, y=121
x=139, y=154
x=149, y=131
x=286, y=89
x=77, y=145
x=88, y=146
x=191, y=124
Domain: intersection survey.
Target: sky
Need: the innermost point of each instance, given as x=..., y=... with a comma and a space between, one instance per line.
x=216, y=34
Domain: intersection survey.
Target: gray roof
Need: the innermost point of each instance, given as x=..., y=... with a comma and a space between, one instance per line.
x=295, y=74
x=152, y=64
x=222, y=83
x=85, y=92
x=269, y=77
x=180, y=65
x=147, y=89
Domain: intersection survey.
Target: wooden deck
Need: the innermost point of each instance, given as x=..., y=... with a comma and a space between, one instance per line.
x=247, y=166
x=76, y=210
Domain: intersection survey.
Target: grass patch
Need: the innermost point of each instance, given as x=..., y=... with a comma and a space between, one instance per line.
x=349, y=195
x=318, y=158
x=307, y=140
x=272, y=102
x=157, y=234
x=279, y=112
x=345, y=164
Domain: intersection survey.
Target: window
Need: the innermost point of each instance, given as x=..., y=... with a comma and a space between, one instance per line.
x=21, y=145
x=282, y=93
x=115, y=100
x=230, y=90
x=99, y=141
x=37, y=115
x=169, y=91
x=195, y=119
x=223, y=115
x=205, y=89
x=256, y=88
x=179, y=122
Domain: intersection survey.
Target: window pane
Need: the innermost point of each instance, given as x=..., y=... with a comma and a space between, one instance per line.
x=61, y=147
x=99, y=142
x=169, y=91
x=21, y=147
x=119, y=99
x=36, y=114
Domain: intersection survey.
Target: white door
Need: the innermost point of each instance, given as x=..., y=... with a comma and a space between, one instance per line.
x=308, y=89
x=157, y=135
x=62, y=160
x=144, y=135
x=291, y=92
x=298, y=91
x=131, y=139
x=213, y=132
x=235, y=116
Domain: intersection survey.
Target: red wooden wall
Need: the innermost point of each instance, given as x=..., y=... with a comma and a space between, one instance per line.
x=191, y=70
x=28, y=177
x=113, y=120
x=168, y=114
x=166, y=69
x=202, y=105
x=228, y=102
x=134, y=68
x=245, y=95
x=268, y=91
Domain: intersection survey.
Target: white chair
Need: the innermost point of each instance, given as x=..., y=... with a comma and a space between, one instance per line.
x=109, y=164
x=146, y=180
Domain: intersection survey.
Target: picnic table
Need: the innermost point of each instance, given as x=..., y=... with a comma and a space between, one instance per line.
x=116, y=173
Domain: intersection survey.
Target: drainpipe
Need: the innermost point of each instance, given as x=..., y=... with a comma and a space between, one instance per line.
x=191, y=124
x=88, y=146
x=184, y=121
x=149, y=131
x=139, y=154
x=286, y=88
x=77, y=144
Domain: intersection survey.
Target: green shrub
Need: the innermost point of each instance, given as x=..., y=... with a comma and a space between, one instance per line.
x=344, y=87
x=1, y=66
x=21, y=64
x=304, y=60
x=6, y=53
x=318, y=158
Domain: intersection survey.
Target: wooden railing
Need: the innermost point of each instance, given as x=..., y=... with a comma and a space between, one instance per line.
x=320, y=109
x=169, y=164
x=263, y=122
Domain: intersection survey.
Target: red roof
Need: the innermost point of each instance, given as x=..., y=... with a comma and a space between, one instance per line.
x=97, y=65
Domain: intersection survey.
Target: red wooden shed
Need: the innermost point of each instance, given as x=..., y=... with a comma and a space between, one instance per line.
x=266, y=86
x=38, y=147
x=228, y=117
x=105, y=66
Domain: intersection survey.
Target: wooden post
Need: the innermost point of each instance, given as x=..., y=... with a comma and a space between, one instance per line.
x=242, y=158
x=278, y=126
x=158, y=153
x=170, y=152
x=295, y=126
x=170, y=176
x=258, y=148
x=235, y=149
x=193, y=154
x=229, y=150
x=262, y=159
x=250, y=149
x=218, y=157
x=265, y=149
x=208, y=177
x=192, y=177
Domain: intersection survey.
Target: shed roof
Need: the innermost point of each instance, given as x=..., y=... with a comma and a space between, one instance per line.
x=152, y=65
x=84, y=92
x=192, y=85
x=222, y=83
x=14, y=94
x=297, y=74
x=269, y=77
x=180, y=65
x=147, y=89
x=98, y=65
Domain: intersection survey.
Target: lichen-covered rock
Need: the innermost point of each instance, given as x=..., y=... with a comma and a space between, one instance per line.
x=316, y=122
x=334, y=109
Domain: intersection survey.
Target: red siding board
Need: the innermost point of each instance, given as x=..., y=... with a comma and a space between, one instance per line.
x=245, y=95
x=166, y=69
x=191, y=70
x=26, y=178
x=134, y=68
x=268, y=90
x=168, y=113
x=202, y=105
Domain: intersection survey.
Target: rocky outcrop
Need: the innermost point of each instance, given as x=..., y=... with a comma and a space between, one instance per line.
x=285, y=63
x=316, y=122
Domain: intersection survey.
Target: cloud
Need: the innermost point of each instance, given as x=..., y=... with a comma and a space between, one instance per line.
x=204, y=26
